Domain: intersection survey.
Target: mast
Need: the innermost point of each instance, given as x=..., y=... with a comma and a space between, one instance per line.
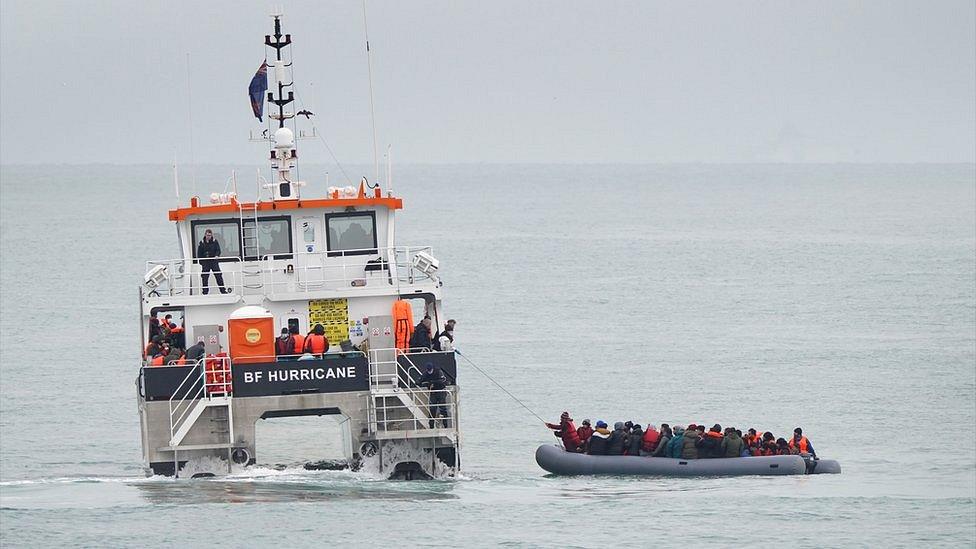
x=283, y=152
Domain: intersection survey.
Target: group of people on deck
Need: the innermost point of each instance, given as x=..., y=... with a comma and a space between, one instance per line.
x=441, y=341
x=167, y=342
x=695, y=442
x=292, y=345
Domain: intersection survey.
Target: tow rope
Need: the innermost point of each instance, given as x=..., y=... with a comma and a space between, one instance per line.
x=499, y=385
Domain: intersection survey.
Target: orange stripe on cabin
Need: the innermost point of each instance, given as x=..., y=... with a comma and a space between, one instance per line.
x=179, y=214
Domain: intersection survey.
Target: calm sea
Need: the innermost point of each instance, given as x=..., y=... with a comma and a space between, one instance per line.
x=840, y=298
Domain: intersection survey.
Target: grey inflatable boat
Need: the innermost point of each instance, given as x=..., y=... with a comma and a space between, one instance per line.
x=554, y=459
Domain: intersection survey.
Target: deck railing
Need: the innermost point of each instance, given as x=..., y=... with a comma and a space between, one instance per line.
x=299, y=272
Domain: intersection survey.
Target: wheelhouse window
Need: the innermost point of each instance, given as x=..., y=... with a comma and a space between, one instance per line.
x=226, y=232
x=272, y=237
x=351, y=233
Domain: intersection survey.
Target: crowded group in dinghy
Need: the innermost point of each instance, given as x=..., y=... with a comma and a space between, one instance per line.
x=677, y=451
x=631, y=439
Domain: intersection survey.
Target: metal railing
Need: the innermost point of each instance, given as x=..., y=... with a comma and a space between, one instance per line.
x=208, y=378
x=298, y=272
x=419, y=404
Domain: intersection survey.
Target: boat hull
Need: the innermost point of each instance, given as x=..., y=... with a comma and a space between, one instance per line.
x=558, y=461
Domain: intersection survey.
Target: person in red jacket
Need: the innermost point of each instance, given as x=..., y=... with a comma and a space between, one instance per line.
x=650, y=440
x=566, y=430
x=585, y=431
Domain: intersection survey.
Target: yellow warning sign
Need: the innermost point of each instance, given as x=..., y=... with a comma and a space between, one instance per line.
x=333, y=314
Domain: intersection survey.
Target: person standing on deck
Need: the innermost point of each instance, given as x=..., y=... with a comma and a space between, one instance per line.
x=207, y=252
x=436, y=382
x=421, y=335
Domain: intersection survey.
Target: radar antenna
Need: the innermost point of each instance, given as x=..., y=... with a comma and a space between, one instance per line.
x=283, y=152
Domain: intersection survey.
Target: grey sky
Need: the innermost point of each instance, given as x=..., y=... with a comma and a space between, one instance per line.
x=515, y=81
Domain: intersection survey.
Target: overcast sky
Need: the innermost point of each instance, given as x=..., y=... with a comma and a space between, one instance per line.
x=499, y=81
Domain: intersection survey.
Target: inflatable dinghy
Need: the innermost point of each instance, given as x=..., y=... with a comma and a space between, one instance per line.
x=554, y=459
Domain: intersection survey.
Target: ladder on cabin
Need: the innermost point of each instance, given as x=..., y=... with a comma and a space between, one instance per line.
x=250, y=247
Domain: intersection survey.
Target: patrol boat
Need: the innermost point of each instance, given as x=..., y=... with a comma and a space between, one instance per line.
x=294, y=261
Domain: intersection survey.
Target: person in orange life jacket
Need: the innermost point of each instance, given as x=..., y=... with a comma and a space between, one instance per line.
x=316, y=342
x=750, y=438
x=159, y=358
x=782, y=448
x=768, y=445
x=566, y=430
x=801, y=443
x=649, y=440
x=598, y=440
x=585, y=432
x=285, y=344
x=421, y=335
x=195, y=352
x=299, y=340
x=710, y=444
x=207, y=250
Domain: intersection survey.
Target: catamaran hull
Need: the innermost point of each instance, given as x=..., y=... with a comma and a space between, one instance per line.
x=556, y=460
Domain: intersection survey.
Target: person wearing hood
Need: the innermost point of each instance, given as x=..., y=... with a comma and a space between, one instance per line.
x=677, y=443
x=616, y=444
x=710, y=444
x=649, y=440
x=634, y=440
x=733, y=445
x=585, y=432
x=689, y=444
x=598, y=440
x=195, y=352
x=566, y=430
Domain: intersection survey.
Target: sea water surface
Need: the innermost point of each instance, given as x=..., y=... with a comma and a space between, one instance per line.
x=839, y=298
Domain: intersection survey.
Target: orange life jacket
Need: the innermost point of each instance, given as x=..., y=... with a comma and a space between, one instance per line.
x=182, y=360
x=316, y=344
x=157, y=361
x=299, y=343
x=402, y=323
x=803, y=444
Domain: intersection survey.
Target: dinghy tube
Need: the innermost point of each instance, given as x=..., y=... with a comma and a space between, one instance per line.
x=554, y=459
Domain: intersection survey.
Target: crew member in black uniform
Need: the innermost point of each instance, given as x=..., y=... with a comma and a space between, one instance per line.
x=209, y=248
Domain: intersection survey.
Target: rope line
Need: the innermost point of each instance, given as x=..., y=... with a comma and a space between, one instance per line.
x=499, y=385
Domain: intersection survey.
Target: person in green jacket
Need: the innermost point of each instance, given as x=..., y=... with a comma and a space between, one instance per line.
x=689, y=448
x=732, y=444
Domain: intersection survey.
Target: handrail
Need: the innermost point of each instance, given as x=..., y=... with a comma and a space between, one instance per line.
x=221, y=372
x=309, y=270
